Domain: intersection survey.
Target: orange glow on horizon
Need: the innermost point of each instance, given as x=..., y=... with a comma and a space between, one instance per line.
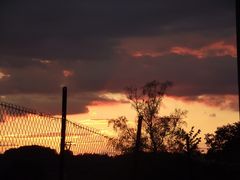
x=201, y=116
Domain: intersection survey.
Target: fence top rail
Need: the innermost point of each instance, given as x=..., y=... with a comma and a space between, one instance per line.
x=26, y=110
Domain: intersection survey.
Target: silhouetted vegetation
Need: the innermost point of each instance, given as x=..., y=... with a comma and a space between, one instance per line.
x=41, y=163
x=189, y=141
x=159, y=133
x=29, y=162
x=224, y=144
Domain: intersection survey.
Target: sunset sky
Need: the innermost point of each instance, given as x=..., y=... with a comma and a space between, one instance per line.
x=98, y=47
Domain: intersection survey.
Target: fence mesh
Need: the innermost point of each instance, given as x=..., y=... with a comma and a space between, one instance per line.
x=20, y=126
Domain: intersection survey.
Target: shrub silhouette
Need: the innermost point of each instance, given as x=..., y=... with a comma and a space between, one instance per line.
x=34, y=162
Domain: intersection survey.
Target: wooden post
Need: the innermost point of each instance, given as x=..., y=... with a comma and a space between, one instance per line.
x=136, y=160
x=139, y=128
x=63, y=132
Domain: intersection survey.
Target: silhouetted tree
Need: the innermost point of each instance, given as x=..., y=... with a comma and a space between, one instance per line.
x=125, y=142
x=158, y=133
x=225, y=140
x=188, y=141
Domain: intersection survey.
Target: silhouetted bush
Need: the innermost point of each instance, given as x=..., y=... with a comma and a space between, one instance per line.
x=41, y=163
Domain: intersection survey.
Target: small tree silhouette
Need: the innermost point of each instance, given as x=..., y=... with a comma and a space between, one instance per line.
x=158, y=133
x=189, y=141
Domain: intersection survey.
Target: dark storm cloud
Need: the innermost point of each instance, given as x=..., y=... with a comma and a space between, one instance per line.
x=191, y=76
x=51, y=104
x=40, y=40
x=31, y=80
x=213, y=76
x=223, y=102
x=57, y=18
x=91, y=29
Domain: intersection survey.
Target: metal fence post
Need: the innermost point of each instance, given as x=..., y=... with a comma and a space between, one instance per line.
x=63, y=132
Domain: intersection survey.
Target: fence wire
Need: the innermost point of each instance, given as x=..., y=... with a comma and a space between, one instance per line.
x=20, y=126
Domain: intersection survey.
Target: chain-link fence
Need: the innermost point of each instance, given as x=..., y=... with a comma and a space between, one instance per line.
x=21, y=126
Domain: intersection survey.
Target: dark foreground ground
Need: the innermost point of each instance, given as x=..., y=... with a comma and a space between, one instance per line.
x=37, y=163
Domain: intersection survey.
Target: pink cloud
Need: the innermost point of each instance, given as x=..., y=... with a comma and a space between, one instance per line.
x=67, y=73
x=219, y=48
x=186, y=51
x=152, y=54
x=4, y=75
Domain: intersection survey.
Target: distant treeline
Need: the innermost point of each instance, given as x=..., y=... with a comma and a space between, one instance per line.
x=40, y=163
